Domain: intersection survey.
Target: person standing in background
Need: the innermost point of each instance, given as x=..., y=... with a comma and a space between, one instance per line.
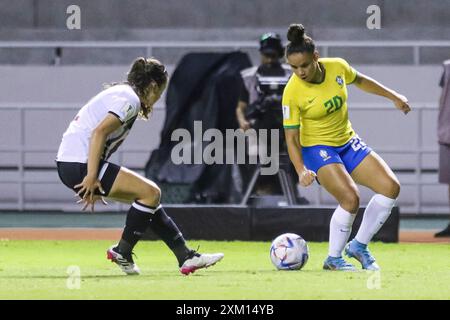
x=259, y=107
x=444, y=136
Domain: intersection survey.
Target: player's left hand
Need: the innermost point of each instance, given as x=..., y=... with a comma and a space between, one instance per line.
x=86, y=191
x=90, y=201
x=401, y=103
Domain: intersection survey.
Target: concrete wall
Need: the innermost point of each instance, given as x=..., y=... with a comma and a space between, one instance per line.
x=73, y=86
x=383, y=55
x=17, y=14
x=229, y=13
x=212, y=20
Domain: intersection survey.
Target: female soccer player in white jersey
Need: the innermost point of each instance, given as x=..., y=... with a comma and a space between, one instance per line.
x=82, y=161
x=322, y=144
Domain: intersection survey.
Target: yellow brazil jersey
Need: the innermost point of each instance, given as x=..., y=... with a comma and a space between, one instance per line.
x=320, y=109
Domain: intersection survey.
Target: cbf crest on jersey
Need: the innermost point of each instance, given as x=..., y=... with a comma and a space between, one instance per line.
x=340, y=81
x=324, y=155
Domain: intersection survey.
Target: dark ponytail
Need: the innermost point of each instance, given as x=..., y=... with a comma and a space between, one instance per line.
x=144, y=71
x=298, y=40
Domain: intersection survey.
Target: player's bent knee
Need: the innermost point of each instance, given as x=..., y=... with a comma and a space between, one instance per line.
x=393, y=189
x=152, y=195
x=350, y=202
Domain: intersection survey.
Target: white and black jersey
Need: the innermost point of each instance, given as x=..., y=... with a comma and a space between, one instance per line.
x=119, y=100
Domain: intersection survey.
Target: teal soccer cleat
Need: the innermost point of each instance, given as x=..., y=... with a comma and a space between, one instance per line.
x=337, y=264
x=359, y=251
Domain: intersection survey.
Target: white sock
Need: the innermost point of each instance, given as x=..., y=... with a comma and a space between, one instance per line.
x=340, y=229
x=375, y=215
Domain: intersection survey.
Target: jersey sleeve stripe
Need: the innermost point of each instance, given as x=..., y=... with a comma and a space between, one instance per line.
x=115, y=114
x=292, y=127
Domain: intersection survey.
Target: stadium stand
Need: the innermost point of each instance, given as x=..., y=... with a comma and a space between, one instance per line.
x=407, y=56
x=376, y=121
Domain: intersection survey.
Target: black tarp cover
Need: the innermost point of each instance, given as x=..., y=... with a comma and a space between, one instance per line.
x=204, y=87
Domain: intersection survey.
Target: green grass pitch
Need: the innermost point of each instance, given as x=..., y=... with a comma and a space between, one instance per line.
x=39, y=270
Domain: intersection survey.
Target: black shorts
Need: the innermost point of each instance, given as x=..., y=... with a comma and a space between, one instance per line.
x=73, y=173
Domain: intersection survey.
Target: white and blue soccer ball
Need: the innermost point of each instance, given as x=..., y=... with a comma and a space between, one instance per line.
x=289, y=251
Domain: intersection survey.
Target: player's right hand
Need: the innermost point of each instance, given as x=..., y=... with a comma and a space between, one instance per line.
x=244, y=125
x=306, y=177
x=401, y=103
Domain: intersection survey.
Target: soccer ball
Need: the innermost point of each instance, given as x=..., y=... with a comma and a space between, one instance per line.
x=289, y=251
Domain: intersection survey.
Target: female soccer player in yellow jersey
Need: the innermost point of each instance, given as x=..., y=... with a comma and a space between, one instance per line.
x=322, y=143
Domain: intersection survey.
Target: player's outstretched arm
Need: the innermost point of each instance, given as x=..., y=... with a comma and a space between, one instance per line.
x=370, y=85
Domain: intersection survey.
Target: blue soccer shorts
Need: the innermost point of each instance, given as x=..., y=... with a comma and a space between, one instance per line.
x=350, y=155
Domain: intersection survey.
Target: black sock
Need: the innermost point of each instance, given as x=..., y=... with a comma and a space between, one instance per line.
x=182, y=253
x=137, y=222
x=164, y=227
x=124, y=246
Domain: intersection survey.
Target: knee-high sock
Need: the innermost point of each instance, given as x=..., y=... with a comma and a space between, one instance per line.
x=137, y=222
x=375, y=215
x=340, y=229
x=165, y=228
x=140, y=217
